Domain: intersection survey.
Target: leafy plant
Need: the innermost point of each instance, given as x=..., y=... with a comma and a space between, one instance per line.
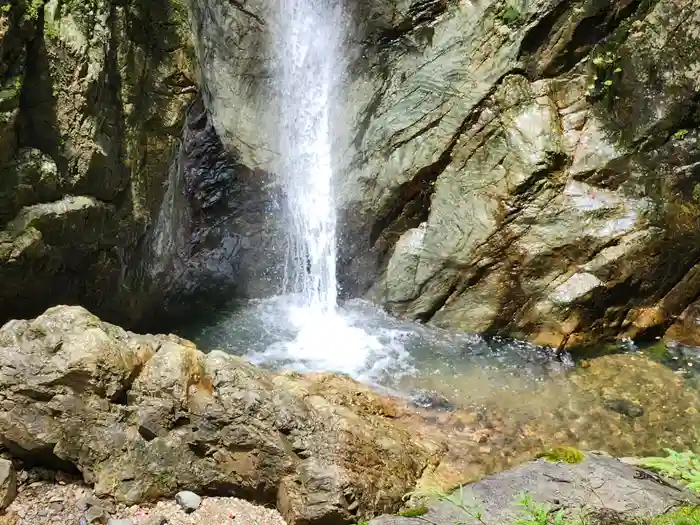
x=512, y=13
x=682, y=516
x=683, y=466
x=458, y=499
x=534, y=513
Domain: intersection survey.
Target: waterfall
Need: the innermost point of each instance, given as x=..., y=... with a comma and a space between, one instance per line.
x=308, y=65
x=307, y=48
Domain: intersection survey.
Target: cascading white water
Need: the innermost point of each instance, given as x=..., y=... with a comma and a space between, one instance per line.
x=308, y=65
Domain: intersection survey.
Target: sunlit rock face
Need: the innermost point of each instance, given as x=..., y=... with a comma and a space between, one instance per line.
x=496, y=169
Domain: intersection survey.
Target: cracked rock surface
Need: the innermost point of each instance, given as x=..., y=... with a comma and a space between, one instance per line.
x=530, y=174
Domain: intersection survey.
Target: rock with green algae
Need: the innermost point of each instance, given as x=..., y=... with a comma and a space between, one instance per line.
x=566, y=454
x=102, y=90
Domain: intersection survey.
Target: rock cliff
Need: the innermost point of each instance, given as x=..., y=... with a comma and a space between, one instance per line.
x=92, y=101
x=521, y=168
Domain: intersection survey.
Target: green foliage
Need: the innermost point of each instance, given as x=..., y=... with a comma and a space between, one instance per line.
x=414, y=512
x=680, y=134
x=458, y=498
x=534, y=513
x=512, y=13
x=34, y=7
x=570, y=455
x=682, y=516
x=682, y=466
x=604, y=74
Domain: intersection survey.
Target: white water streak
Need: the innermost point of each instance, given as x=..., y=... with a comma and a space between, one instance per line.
x=307, y=44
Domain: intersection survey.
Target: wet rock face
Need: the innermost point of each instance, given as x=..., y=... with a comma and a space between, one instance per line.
x=92, y=98
x=217, y=234
x=523, y=173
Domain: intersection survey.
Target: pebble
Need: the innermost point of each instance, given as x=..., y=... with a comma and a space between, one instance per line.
x=189, y=501
x=50, y=503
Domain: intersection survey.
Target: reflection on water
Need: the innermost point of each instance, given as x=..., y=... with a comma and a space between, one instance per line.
x=497, y=401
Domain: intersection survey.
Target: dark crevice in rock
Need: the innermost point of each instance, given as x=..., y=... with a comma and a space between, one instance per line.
x=146, y=433
x=558, y=42
x=420, y=12
x=240, y=6
x=40, y=457
x=37, y=126
x=424, y=317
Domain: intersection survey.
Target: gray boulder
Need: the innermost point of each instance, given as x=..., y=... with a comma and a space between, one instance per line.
x=189, y=501
x=599, y=485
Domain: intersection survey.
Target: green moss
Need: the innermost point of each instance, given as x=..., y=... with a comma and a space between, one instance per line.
x=682, y=516
x=414, y=512
x=566, y=454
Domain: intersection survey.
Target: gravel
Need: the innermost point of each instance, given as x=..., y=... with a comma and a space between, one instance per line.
x=47, y=499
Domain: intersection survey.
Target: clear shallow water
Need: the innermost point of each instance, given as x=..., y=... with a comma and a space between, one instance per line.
x=499, y=401
x=363, y=341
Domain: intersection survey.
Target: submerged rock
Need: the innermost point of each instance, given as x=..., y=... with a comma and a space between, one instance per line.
x=624, y=406
x=431, y=399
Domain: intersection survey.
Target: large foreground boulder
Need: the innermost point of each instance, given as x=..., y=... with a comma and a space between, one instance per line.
x=143, y=417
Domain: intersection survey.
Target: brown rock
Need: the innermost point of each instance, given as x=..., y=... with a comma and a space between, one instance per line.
x=8, y=483
x=145, y=416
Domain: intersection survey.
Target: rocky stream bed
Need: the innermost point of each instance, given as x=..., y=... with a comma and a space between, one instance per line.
x=133, y=419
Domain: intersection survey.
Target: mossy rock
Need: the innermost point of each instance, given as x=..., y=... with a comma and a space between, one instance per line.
x=569, y=455
x=414, y=512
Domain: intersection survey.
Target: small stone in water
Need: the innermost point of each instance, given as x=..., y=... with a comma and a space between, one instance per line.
x=624, y=406
x=189, y=501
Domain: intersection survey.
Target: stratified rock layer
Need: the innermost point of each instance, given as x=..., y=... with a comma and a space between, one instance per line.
x=516, y=169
